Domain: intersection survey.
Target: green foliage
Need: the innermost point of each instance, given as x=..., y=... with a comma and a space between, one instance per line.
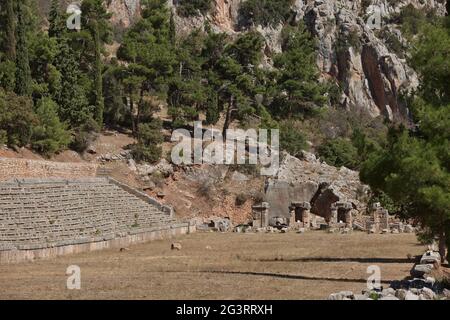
x=431, y=59
x=10, y=26
x=292, y=139
x=339, y=152
x=298, y=89
x=385, y=201
x=55, y=20
x=72, y=101
x=412, y=20
x=116, y=112
x=16, y=118
x=49, y=135
x=413, y=168
x=8, y=75
x=188, y=8
x=96, y=18
x=264, y=12
x=149, y=139
x=23, y=72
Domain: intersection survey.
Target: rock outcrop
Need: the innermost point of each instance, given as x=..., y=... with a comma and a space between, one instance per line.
x=352, y=48
x=310, y=180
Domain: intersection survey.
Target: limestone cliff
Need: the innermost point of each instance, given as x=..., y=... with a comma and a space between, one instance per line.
x=369, y=73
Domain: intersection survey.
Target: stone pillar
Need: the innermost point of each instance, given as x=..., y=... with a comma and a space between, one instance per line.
x=292, y=215
x=334, y=216
x=302, y=209
x=261, y=215
x=384, y=224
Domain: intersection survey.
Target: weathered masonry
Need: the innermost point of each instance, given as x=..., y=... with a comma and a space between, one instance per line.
x=47, y=218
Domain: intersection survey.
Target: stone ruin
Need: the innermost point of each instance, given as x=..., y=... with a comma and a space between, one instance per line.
x=46, y=218
x=309, y=194
x=308, y=186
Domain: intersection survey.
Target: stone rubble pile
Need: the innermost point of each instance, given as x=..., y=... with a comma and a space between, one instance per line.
x=421, y=287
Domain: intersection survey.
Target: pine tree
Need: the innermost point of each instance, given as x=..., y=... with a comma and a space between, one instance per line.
x=23, y=71
x=299, y=91
x=10, y=45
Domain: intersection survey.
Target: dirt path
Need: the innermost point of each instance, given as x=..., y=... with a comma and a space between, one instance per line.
x=238, y=266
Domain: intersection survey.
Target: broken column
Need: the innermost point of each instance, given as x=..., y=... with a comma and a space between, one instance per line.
x=384, y=219
x=380, y=217
x=300, y=214
x=261, y=215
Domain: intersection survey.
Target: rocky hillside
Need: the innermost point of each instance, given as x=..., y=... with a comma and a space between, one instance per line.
x=354, y=38
x=369, y=71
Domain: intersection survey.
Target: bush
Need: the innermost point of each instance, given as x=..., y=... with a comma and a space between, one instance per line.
x=264, y=12
x=84, y=135
x=339, y=152
x=17, y=119
x=241, y=199
x=50, y=135
x=292, y=139
x=189, y=8
x=149, y=137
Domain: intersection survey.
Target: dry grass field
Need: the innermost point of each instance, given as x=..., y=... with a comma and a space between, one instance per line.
x=219, y=266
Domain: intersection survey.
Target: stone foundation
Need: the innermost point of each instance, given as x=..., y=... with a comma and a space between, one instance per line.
x=17, y=256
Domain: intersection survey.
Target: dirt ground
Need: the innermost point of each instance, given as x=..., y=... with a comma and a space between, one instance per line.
x=220, y=266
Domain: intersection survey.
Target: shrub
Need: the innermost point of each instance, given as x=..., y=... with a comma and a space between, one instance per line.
x=189, y=8
x=84, y=135
x=50, y=135
x=339, y=152
x=149, y=139
x=264, y=12
x=292, y=139
x=17, y=118
x=241, y=198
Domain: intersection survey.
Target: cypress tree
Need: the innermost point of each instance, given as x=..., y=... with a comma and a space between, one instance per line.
x=72, y=99
x=98, y=82
x=23, y=71
x=10, y=30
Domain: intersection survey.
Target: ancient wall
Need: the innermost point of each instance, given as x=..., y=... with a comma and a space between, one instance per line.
x=13, y=168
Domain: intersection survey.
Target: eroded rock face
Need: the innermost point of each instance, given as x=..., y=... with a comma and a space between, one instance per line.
x=310, y=180
x=124, y=12
x=370, y=74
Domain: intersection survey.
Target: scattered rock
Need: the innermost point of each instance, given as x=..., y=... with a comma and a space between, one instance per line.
x=431, y=257
x=176, y=246
x=124, y=249
x=91, y=150
x=446, y=293
x=411, y=296
x=401, y=294
x=419, y=270
x=237, y=176
x=390, y=297
x=131, y=165
x=428, y=294
x=408, y=229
